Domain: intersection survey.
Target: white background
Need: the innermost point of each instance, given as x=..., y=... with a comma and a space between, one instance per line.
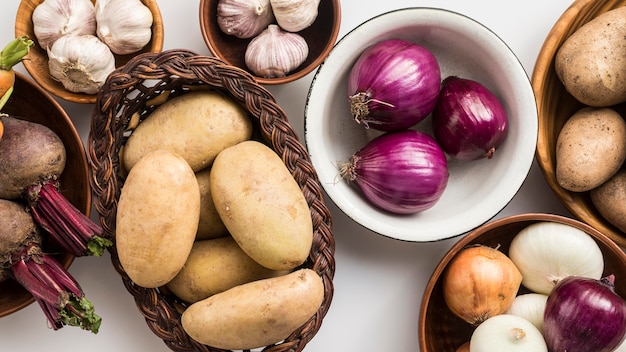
x=378, y=281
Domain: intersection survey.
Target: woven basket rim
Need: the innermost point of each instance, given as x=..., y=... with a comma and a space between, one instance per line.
x=171, y=73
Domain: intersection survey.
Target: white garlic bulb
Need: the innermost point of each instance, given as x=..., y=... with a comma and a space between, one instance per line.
x=81, y=63
x=295, y=15
x=124, y=25
x=274, y=52
x=244, y=18
x=55, y=18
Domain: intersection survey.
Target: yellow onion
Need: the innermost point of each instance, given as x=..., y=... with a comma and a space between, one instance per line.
x=480, y=282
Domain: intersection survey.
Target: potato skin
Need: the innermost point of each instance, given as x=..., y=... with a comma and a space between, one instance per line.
x=255, y=314
x=157, y=218
x=591, y=63
x=196, y=126
x=28, y=151
x=261, y=205
x=590, y=148
x=214, y=266
x=610, y=200
x=210, y=224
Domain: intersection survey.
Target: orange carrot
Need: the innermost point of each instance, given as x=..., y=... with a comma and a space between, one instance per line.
x=11, y=55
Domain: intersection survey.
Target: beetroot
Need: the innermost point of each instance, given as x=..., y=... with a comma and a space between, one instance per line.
x=22, y=258
x=32, y=157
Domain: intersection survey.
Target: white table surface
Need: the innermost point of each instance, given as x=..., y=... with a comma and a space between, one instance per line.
x=378, y=281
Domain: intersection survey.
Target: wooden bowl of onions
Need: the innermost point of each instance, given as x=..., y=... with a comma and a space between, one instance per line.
x=74, y=179
x=283, y=44
x=556, y=105
x=82, y=87
x=531, y=259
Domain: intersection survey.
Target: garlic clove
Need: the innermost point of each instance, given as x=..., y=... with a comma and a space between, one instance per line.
x=295, y=15
x=274, y=52
x=55, y=18
x=81, y=63
x=124, y=25
x=244, y=18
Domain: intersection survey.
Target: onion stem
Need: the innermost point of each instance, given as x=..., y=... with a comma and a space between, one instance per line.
x=64, y=222
x=55, y=290
x=359, y=107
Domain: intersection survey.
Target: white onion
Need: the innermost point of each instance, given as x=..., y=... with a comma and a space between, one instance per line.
x=530, y=306
x=546, y=252
x=508, y=333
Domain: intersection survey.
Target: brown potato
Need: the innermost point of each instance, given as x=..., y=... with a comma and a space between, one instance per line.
x=196, y=126
x=255, y=314
x=214, y=266
x=592, y=61
x=210, y=224
x=610, y=200
x=157, y=218
x=590, y=148
x=261, y=205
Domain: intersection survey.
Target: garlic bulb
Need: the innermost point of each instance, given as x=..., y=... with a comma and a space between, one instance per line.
x=274, y=52
x=295, y=15
x=244, y=18
x=124, y=25
x=55, y=18
x=81, y=63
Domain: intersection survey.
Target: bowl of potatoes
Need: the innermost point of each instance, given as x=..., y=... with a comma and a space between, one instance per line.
x=249, y=261
x=580, y=94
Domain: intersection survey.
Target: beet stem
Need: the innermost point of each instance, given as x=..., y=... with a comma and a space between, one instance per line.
x=78, y=234
x=57, y=292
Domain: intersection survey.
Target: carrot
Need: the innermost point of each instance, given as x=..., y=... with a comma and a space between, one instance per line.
x=11, y=55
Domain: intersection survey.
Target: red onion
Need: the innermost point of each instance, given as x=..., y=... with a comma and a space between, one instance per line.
x=393, y=85
x=403, y=172
x=584, y=315
x=468, y=121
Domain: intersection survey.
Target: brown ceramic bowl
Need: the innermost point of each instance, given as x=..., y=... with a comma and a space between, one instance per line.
x=555, y=105
x=441, y=331
x=37, y=60
x=74, y=180
x=320, y=37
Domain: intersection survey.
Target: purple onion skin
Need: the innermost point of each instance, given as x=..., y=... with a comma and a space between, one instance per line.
x=584, y=315
x=393, y=85
x=403, y=172
x=469, y=121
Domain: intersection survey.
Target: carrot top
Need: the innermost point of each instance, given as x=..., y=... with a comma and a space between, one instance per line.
x=14, y=52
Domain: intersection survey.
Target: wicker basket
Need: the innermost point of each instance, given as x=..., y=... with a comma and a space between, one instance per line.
x=129, y=91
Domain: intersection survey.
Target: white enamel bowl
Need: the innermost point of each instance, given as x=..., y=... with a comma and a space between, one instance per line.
x=476, y=190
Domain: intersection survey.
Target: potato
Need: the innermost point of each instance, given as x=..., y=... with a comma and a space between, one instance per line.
x=590, y=148
x=261, y=205
x=214, y=266
x=157, y=218
x=255, y=314
x=210, y=224
x=591, y=63
x=196, y=126
x=610, y=200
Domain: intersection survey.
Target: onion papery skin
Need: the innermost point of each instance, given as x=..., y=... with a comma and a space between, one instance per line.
x=393, y=85
x=469, y=122
x=403, y=172
x=584, y=315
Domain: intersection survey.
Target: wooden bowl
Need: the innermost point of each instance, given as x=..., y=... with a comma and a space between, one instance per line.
x=130, y=92
x=74, y=180
x=36, y=62
x=441, y=331
x=555, y=105
x=320, y=37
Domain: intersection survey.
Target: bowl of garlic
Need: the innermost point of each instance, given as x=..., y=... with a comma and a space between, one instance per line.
x=79, y=42
x=276, y=41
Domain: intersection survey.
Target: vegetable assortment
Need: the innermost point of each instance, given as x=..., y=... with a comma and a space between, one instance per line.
x=559, y=302
x=392, y=87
